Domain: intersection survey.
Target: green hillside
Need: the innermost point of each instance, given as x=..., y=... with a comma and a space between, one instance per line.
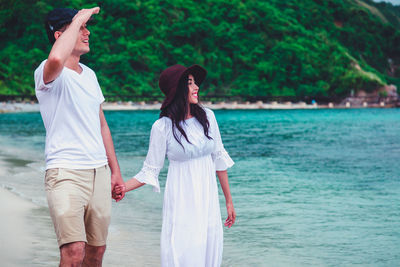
x=318, y=48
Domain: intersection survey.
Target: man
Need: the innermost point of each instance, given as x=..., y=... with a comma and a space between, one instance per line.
x=81, y=165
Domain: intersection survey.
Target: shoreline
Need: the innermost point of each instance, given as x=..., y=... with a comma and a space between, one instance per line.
x=27, y=231
x=27, y=234
x=16, y=230
x=16, y=107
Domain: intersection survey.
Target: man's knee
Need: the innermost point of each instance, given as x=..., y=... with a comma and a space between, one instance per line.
x=72, y=254
x=94, y=255
x=96, y=251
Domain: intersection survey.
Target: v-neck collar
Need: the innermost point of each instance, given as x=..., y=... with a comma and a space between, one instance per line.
x=77, y=73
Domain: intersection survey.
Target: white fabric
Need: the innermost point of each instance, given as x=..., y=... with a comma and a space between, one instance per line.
x=192, y=228
x=70, y=107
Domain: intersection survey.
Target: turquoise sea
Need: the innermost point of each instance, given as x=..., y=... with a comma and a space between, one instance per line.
x=310, y=187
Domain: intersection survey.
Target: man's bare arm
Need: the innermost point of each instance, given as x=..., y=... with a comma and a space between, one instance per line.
x=116, y=178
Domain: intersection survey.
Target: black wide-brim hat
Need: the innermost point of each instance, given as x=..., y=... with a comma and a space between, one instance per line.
x=171, y=76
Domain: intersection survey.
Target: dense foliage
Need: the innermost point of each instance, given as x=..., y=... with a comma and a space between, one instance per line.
x=257, y=48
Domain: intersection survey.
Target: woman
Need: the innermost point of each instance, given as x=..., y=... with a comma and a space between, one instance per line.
x=188, y=134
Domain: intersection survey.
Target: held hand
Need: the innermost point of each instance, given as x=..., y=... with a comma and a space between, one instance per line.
x=118, y=192
x=119, y=189
x=116, y=181
x=231, y=215
x=84, y=14
x=118, y=196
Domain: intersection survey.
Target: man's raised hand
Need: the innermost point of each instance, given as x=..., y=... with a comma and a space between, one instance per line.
x=84, y=14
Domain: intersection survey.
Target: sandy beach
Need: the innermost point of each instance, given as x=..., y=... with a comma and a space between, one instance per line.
x=6, y=107
x=26, y=235
x=211, y=105
x=15, y=229
x=26, y=229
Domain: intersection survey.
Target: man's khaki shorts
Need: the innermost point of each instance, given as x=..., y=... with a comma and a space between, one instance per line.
x=80, y=204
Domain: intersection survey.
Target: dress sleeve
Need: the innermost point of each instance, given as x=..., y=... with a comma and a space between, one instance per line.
x=221, y=158
x=154, y=159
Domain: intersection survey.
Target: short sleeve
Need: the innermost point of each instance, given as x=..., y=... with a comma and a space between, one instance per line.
x=155, y=157
x=101, y=96
x=221, y=158
x=40, y=86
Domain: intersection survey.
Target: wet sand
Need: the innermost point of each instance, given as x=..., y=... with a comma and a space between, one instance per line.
x=25, y=232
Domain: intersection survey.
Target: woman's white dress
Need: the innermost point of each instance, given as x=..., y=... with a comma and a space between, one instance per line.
x=192, y=226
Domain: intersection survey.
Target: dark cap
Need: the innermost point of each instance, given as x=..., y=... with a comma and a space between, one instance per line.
x=56, y=19
x=171, y=76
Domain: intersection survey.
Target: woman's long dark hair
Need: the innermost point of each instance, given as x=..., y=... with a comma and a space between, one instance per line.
x=178, y=109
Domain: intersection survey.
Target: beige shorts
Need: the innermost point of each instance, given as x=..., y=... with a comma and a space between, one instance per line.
x=80, y=204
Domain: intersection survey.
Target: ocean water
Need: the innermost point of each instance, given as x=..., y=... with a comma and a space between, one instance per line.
x=310, y=187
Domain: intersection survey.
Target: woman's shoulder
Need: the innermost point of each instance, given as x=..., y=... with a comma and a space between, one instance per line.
x=162, y=124
x=210, y=114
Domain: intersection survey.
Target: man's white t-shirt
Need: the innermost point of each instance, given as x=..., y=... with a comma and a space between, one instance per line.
x=70, y=107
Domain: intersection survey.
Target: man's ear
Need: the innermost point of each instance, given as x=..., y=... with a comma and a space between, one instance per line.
x=57, y=34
